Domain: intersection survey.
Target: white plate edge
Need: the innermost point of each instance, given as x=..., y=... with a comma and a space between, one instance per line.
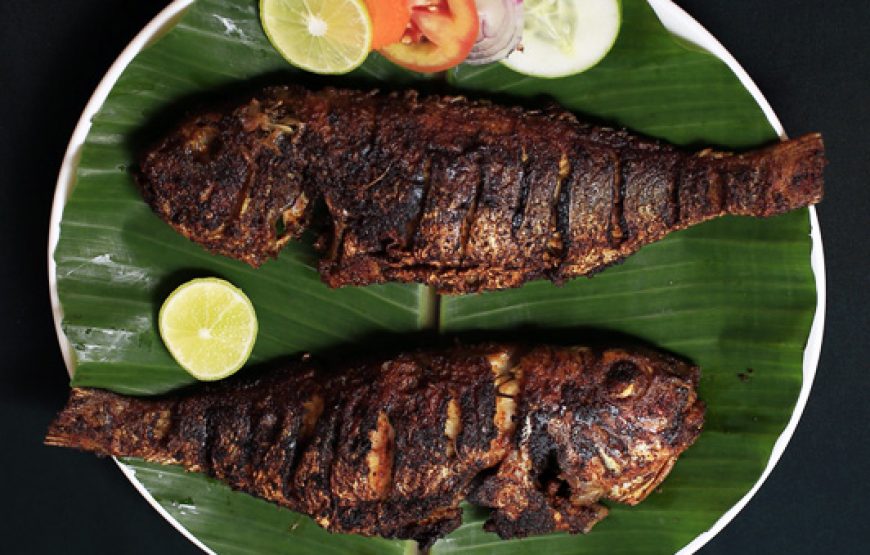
x=680, y=23
x=65, y=181
x=674, y=18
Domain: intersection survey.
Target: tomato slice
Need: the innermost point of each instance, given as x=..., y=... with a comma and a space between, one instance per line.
x=440, y=35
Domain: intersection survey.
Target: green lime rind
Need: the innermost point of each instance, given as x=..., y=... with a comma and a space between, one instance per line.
x=284, y=38
x=208, y=370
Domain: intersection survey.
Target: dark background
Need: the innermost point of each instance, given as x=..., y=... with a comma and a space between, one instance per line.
x=811, y=59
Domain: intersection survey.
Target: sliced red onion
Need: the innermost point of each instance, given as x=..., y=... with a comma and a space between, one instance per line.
x=501, y=28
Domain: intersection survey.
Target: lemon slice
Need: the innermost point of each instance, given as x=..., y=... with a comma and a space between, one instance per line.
x=322, y=36
x=563, y=37
x=209, y=327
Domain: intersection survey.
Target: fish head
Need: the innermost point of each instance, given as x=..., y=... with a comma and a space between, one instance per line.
x=231, y=181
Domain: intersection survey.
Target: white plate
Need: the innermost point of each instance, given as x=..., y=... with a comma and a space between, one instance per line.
x=674, y=19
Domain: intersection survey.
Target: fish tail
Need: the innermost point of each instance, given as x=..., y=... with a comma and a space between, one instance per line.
x=83, y=422
x=767, y=182
x=788, y=177
x=105, y=423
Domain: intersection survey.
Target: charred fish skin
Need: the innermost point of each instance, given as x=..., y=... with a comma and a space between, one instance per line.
x=391, y=447
x=463, y=195
x=612, y=433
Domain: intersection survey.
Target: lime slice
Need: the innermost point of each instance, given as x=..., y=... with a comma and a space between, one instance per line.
x=322, y=36
x=563, y=37
x=209, y=327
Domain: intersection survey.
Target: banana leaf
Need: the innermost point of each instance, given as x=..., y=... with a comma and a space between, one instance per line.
x=735, y=295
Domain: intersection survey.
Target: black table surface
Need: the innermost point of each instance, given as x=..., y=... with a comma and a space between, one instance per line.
x=811, y=59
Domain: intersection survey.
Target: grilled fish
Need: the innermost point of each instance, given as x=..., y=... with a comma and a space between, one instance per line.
x=464, y=195
x=390, y=447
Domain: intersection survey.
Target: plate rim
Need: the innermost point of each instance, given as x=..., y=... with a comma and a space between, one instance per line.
x=674, y=18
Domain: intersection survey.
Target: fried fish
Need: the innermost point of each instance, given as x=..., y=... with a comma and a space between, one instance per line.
x=390, y=447
x=464, y=195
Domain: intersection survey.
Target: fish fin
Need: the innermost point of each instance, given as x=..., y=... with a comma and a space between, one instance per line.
x=789, y=176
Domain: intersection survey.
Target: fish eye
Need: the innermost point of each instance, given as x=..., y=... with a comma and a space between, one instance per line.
x=625, y=379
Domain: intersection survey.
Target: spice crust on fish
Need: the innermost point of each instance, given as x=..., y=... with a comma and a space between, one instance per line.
x=390, y=447
x=464, y=195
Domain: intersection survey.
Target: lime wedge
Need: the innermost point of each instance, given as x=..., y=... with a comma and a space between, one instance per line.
x=322, y=36
x=209, y=327
x=563, y=37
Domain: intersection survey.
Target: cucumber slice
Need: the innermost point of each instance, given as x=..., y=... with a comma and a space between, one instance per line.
x=563, y=37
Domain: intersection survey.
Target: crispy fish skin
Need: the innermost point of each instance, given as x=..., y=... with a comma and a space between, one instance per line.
x=390, y=447
x=464, y=195
x=460, y=194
